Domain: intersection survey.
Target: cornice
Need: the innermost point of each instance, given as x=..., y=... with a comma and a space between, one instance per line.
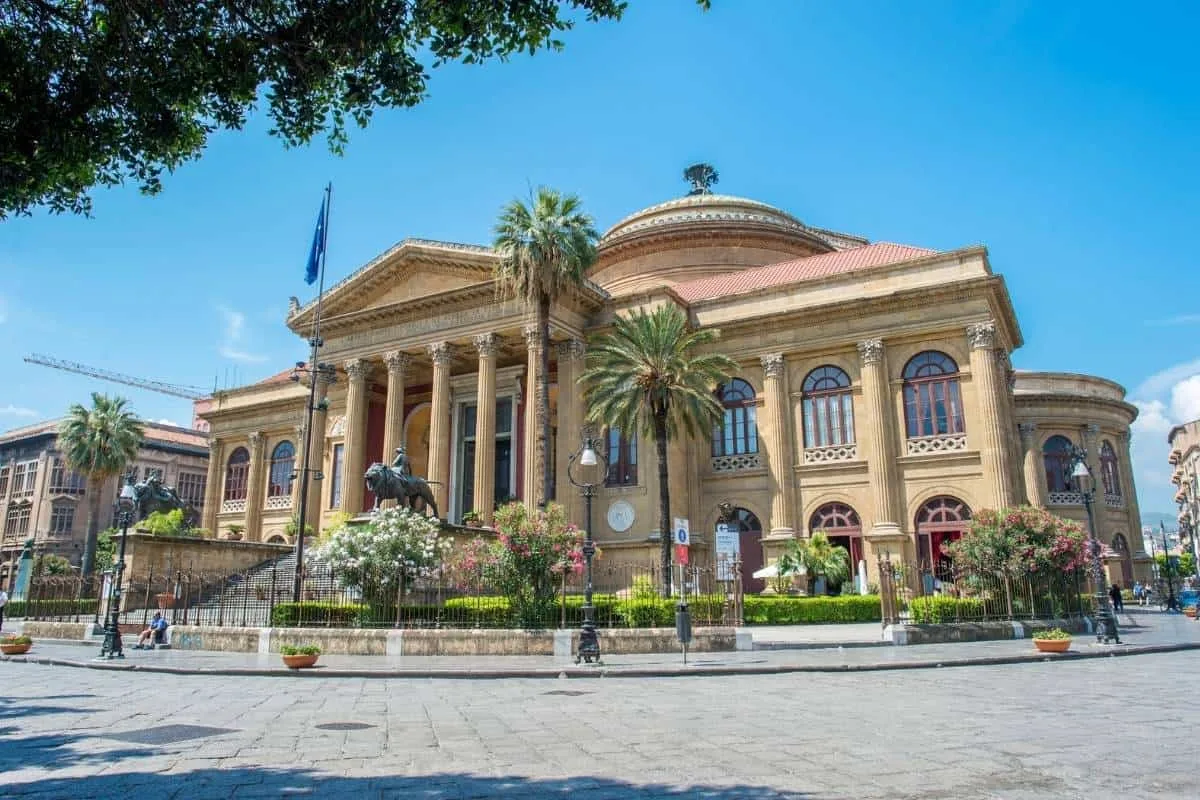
x=1076, y=401
x=698, y=234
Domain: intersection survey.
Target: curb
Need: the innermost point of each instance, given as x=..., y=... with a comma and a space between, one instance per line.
x=602, y=672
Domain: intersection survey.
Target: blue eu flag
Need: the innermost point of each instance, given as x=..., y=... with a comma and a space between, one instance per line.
x=318, y=249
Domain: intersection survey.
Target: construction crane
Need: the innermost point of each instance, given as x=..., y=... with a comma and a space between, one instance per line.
x=186, y=392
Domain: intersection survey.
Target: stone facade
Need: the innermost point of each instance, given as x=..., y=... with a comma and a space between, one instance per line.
x=41, y=499
x=1184, y=458
x=874, y=398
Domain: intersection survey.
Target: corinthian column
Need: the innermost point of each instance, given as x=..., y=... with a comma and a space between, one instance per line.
x=991, y=389
x=485, y=427
x=439, y=425
x=570, y=424
x=531, y=469
x=776, y=439
x=1036, y=490
x=256, y=487
x=393, y=426
x=212, y=489
x=881, y=460
x=357, y=370
x=325, y=377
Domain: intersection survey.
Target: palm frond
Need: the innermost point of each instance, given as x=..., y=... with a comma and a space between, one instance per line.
x=545, y=245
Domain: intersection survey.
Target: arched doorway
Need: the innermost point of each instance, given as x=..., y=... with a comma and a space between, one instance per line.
x=940, y=520
x=841, y=524
x=1120, y=546
x=749, y=547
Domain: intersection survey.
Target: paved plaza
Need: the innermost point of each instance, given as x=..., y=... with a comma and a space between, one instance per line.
x=1096, y=728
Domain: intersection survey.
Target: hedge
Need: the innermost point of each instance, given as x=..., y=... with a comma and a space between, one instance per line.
x=51, y=608
x=317, y=614
x=786, y=610
x=944, y=608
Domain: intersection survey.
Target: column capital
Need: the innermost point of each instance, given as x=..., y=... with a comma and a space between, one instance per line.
x=982, y=335
x=870, y=351
x=571, y=349
x=256, y=440
x=358, y=369
x=485, y=345
x=1027, y=429
x=772, y=365
x=326, y=374
x=439, y=353
x=533, y=336
x=397, y=361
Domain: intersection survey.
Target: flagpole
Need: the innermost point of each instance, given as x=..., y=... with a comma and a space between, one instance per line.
x=315, y=372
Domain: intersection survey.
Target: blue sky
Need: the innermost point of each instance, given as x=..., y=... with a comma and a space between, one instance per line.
x=1065, y=139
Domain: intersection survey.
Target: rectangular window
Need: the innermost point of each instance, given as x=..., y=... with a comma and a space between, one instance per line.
x=335, y=476
x=191, y=486
x=622, y=459
x=16, y=523
x=65, y=481
x=4, y=473
x=148, y=471
x=62, y=518
x=24, y=478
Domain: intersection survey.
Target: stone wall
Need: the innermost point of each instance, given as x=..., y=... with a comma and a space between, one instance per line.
x=146, y=553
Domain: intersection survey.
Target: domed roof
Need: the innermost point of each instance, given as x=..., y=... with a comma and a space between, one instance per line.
x=706, y=209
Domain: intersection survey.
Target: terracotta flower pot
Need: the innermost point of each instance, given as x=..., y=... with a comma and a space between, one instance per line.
x=15, y=649
x=1190, y=611
x=299, y=662
x=165, y=600
x=1052, y=645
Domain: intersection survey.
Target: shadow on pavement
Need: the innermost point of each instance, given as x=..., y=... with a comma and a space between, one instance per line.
x=270, y=782
x=14, y=709
x=54, y=750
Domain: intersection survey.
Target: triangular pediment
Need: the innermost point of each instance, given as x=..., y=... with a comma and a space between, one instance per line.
x=414, y=281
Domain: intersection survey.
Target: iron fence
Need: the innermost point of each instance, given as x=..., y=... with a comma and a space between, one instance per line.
x=625, y=595
x=918, y=592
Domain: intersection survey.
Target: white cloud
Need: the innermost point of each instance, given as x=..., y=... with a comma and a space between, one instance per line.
x=17, y=411
x=1160, y=383
x=1164, y=400
x=1185, y=399
x=232, y=345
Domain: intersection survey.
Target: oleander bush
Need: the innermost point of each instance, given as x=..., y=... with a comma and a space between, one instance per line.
x=760, y=610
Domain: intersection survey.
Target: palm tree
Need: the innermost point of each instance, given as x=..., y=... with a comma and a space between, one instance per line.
x=98, y=443
x=545, y=249
x=647, y=376
x=816, y=556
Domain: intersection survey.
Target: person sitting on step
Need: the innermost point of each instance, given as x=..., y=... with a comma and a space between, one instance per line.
x=155, y=634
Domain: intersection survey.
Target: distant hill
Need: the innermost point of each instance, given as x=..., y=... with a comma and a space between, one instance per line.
x=1152, y=518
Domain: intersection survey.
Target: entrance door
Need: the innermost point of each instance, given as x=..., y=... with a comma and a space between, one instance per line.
x=940, y=521
x=841, y=524
x=750, y=548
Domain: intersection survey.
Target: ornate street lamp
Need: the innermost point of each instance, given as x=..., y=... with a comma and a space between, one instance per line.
x=1106, y=620
x=588, y=456
x=1172, y=603
x=126, y=505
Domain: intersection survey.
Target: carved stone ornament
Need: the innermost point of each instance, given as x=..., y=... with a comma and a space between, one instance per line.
x=439, y=353
x=1027, y=429
x=870, y=351
x=772, y=365
x=533, y=337
x=397, y=361
x=358, y=369
x=256, y=440
x=571, y=350
x=326, y=374
x=486, y=344
x=982, y=335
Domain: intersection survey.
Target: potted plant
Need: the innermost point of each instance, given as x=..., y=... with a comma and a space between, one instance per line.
x=14, y=644
x=235, y=532
x=1054, y=640
x=472, y=519
x=299, y=656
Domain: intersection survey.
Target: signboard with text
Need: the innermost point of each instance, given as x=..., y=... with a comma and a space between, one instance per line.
x=728, y=547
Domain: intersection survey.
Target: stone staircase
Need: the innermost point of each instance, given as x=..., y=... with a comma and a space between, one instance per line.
x=246, y=599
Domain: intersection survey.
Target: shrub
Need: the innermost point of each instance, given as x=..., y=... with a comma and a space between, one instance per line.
x=315, y=613
x=299, y=650
x=648, y=613
x=758, y=610
x=1052, y=633
x=13, y=638
x=943, y=608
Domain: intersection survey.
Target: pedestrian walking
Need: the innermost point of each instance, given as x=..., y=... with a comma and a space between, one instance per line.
x=1138, y=592
x=1115, y=595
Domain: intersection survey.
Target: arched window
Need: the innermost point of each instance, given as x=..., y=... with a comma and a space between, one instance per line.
x=622, y=459
x=940, y=520
x=737, y=433
x=1109, y=471
x=1056, y=455
x=828, y=408
x=841, y=524
x=283, y=466
x=237, y=469
x=932, y=401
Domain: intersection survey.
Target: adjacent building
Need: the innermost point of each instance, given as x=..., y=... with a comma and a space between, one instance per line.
x=874, y=398
x=1184, y=457
x=41, y=499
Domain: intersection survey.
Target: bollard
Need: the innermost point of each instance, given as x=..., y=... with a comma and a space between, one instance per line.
x=683, y=626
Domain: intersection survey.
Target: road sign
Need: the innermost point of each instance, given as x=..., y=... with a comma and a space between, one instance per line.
x=682, y=536
x=681, y=554
x=728, y=546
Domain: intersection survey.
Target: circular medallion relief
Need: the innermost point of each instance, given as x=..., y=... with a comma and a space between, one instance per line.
x=620, y=516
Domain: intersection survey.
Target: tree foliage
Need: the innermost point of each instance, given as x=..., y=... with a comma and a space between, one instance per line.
x=545, y=248
x=98, y=443
x=815, y=557
x=649, y=376
x=94, y=92
x=1014, y=542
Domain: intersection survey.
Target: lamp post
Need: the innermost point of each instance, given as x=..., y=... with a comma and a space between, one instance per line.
x=1106, y=621
x=320, y=372
x=589, y=642
x=126, y=504
x=1172, y=603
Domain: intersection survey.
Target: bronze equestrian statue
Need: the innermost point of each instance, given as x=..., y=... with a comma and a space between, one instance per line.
x=153, y=495
x=398, y=483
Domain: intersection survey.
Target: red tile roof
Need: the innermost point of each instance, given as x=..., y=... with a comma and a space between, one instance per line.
x=802, y=269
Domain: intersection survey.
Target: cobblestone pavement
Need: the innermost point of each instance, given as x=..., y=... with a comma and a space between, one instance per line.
x=1096, y=728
